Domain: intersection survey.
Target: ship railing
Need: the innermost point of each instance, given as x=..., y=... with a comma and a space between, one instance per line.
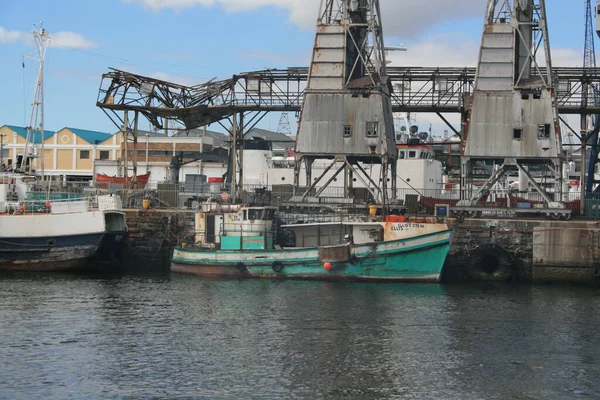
x=69, y=205
x=415, y=200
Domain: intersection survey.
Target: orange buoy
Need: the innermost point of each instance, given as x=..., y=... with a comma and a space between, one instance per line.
x=327, y=266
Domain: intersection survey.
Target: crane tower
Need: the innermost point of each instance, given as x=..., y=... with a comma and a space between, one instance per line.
x=347, y=116
x=513, y=119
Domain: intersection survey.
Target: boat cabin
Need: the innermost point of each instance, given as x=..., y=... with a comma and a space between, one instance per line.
x=235, y=227
x=415, y=152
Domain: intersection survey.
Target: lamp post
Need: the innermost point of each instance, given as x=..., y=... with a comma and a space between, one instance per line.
x=2, y=136
x=147, y=166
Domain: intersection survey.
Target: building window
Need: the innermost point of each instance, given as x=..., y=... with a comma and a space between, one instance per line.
x=104, y=154
x=517, y=134
x=543, y=131
x=347, y=131
x=372, y=129
x=84, y=154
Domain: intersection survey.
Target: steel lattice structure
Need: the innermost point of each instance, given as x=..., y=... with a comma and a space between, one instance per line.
x=416, y=89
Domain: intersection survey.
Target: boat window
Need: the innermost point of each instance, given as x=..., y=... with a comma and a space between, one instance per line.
x=401, y=155
x=245, y=216
x=412, y=154
x=253, y=215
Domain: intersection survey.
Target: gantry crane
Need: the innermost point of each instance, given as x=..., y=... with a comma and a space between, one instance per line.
x=590, y=125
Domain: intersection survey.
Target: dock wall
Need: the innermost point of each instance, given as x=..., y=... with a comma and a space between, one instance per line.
x=510, y=250
x=152, y=236
x=525, y=251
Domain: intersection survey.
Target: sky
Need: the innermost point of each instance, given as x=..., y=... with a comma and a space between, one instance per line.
x=193, y=41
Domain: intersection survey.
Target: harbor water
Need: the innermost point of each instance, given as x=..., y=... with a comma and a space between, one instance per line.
x=169, y=336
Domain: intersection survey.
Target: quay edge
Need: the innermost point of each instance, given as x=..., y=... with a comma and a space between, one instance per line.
x=525, y=251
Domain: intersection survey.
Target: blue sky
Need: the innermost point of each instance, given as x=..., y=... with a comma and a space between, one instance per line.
x=192, y=41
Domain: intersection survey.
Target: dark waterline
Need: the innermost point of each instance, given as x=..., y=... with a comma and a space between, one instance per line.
x=161, y=336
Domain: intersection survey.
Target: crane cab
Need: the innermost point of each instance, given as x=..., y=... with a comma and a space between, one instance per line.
x=597, y=13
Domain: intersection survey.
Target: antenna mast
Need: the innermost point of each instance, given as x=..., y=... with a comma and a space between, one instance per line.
x=36, y=121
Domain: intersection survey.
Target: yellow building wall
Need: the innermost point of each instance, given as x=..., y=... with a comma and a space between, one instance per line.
x=4, y=130
x=65, y=137
x=86, y=164
x=110, y=140
x=64, y=159
x=48, y=159
x=20, y=139
x=49, y=141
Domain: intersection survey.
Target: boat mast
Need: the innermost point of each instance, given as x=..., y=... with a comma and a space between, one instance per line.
x=36, y=121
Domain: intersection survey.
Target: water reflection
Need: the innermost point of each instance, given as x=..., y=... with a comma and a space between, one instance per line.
x=166, y=337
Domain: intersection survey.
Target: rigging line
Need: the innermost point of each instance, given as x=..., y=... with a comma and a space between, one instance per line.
x=133, y=62
x=141, y=64
x=24, y=92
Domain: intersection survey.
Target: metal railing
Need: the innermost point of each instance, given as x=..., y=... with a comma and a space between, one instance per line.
x=190, y=196
x=68, y=205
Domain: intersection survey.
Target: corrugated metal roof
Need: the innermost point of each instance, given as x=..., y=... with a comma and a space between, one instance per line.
x=92, y=137
x=22, y=131
x=279, y=141
x=219, y=139
x=142, y=133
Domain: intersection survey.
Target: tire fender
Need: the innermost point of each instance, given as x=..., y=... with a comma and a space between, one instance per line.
x=491, y=262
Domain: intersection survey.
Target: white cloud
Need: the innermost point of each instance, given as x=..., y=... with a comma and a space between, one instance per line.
x=457, y=50
x=405, y=19
x=161, y=75
x=10, y=36
x=174, y=78
x=70, y=40
x=65, y=39
x=567, y=57
x=441, y=50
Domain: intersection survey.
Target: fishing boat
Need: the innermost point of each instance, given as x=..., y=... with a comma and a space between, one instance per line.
x=45, y=230
x=240, y=242
x=50, y=233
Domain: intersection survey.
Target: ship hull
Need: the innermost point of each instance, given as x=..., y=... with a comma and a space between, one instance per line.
x=62, y=253
x=64, y=242
x=416, y=259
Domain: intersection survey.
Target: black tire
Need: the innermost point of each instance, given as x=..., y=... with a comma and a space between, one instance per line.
x=490, y=262
x=241, y=267
x=277, y=266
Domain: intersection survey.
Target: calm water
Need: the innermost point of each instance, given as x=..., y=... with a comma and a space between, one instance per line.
x=184, y=337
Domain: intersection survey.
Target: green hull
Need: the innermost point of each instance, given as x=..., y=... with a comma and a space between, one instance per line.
x=417, y=259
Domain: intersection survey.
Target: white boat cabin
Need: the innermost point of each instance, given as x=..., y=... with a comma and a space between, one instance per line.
x=234, y=227
x=415, y=152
